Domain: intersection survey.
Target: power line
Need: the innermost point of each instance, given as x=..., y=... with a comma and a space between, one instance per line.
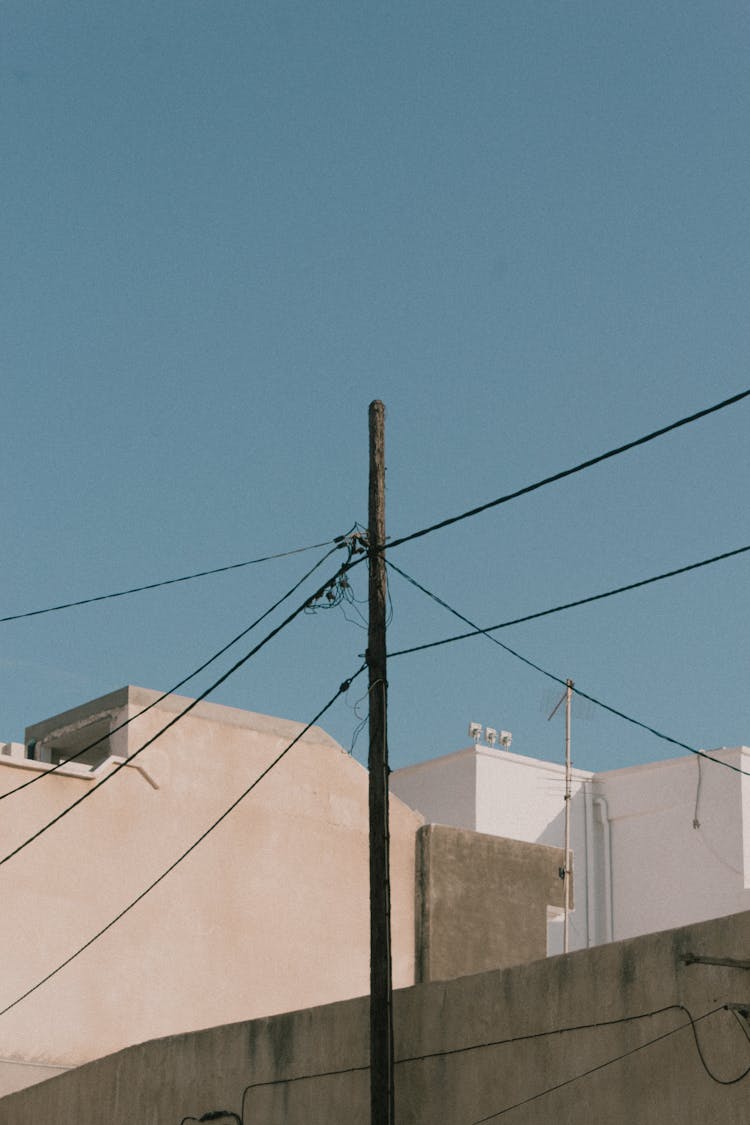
x=344, y=687
x=569, y=472
x=404, y=538
x=213, y=1115
x=193, y=703
x=477, y=631
x=558, y=608
x=180, y=683
x=170, y=581
x=691, y=1023
x=512, y=1039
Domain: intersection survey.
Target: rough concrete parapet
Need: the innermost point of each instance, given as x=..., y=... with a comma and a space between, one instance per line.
x=598, y=1035
x=481, y=901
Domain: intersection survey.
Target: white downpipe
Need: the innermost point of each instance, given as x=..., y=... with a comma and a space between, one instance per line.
x=609, y=910
x=590, y=874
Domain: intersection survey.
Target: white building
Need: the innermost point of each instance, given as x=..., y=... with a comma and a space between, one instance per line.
x=654, y=846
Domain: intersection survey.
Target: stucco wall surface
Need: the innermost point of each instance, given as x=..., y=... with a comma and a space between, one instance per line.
x=443, y=789
x=270, y=913
x=678, y=839
x=466, y=1050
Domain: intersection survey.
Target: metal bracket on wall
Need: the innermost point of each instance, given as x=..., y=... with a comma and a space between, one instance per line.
x=722, y=962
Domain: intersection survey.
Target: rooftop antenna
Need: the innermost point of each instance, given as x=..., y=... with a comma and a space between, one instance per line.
x=566, y=870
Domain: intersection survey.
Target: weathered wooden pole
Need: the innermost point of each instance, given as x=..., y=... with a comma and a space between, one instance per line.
x=381, y=986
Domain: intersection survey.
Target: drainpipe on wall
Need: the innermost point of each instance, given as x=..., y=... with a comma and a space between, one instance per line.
x=590, y=875
x=609, y=911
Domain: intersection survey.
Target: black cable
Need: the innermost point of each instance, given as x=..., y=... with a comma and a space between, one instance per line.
x=569, y=472
x=477, y=631
x=213, y=1115
x=179, y=684
x=415, y=534
x=300, y=1078
x=595, y=1025
x=625, y=1054
x=167, y=582
x=193, y=703
x=557, y=608
x=701, y=1056
x=508, y=1040
x=344, y=687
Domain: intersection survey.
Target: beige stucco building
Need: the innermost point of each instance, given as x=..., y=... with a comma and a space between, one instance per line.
x=270, y=913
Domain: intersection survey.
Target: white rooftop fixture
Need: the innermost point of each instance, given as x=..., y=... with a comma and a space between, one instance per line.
x=505, y=739
x=491, y=736
x=475, y=731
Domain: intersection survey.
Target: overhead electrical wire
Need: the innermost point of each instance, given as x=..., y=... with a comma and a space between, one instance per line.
x=180, y=683
x=321, y=592
x=731, y=401
x=558, y=608
x=167, y=581
x=568, y=472
x=691, y=1023
x=477, y=631
x=342, y=689
x=525, y=1038
x=213, y=1115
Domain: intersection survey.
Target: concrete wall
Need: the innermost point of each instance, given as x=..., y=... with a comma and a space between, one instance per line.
x=269, y=914
x=512, y=795
x=481, y=901
x=466, y=1050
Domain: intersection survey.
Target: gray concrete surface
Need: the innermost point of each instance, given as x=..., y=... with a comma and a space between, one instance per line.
x=466, y=1050
x=481, y=901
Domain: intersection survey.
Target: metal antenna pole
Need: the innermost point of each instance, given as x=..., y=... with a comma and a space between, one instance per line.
x=566, y=870
x=381, y=987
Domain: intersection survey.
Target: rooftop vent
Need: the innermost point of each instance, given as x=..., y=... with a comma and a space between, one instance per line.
x=88, y=744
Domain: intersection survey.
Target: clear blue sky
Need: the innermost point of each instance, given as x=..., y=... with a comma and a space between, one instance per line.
x=227, y=226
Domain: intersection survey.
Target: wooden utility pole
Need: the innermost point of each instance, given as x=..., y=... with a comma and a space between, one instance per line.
x=381, y=986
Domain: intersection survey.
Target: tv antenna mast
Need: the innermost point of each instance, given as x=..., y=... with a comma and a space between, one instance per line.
x=567, y=696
